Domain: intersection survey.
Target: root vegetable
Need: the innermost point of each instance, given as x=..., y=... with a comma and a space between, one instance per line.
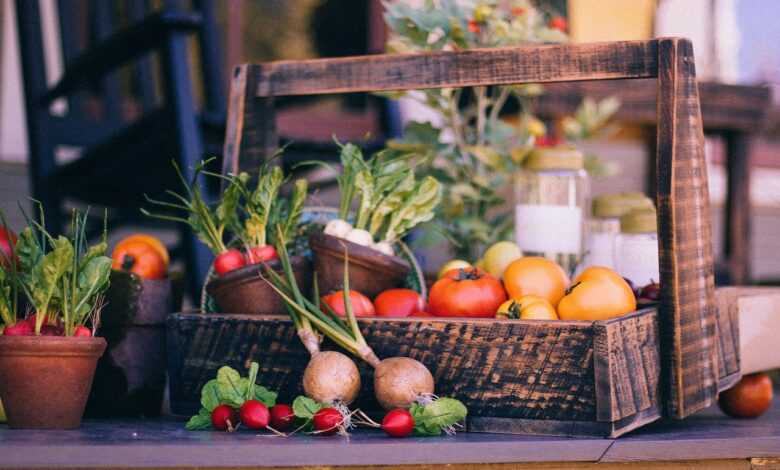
x=338, y=228
x=82, y=331
x=384, y=248
x=254, y=414
x=398, y=423
x=261, y=254
x=229, y=260
x=360, y=237
x=21, y=328
x=282, y=417
x=400, y=381
x=327, y=421
x=331, y=377
x=223, y=418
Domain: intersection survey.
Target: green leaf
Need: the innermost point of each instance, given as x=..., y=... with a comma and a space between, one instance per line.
x=93, y=279
x=209, y=395
x=418, y=207
x=200, y=421
x=421, y=426
x=444, y=412
x=47, y=272
x=250, y=389
x=305, y=408
x=267, y=397
x=231, y=386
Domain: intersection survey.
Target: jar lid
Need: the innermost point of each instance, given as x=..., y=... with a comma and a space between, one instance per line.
x=618, y=204
x=562, y=157
x=639, y=221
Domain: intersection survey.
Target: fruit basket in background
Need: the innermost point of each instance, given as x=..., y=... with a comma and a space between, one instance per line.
x=601, y=378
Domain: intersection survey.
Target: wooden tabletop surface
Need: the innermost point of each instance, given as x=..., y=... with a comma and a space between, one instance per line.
x=706, y=440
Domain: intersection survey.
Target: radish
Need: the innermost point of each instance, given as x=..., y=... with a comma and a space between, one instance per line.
x=254, y=414
x=82, y=331
x=229, y=260
x=20, y=328
x=282, y=416
x=360, y=237
x=338, y=228
x=261, y=254
x=398, y=423
x=223, y=417
x=327, y=421
x=384, y=248
x=398, y=382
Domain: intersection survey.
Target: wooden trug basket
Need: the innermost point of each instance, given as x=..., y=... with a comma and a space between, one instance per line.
x=545, y=377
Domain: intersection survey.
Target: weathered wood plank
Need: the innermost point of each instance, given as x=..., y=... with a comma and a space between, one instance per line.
x=547, y=63
x=687, y=311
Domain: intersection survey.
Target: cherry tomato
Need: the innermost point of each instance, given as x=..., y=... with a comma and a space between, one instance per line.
x=361, y=305
x=229, y=260
x=398, y=303
x=468, y=292
x=261, y=254
x=750, y=398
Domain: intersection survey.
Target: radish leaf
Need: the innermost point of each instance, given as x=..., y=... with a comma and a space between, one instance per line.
x=200, y=421
x=305, y=407
x=209, y=395
x=265, y=396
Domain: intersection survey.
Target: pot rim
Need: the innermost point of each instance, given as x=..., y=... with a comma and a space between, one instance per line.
x=52, y=346
x=359, y=254
x=248, y=274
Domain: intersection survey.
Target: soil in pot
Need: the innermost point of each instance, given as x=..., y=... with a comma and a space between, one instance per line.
x=370, y=271
x=244, y=291
x=45, y=380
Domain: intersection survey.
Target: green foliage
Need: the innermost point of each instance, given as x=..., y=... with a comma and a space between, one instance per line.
x=305, y=408
x=439, y=415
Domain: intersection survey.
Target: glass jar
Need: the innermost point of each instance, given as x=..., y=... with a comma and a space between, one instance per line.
x=638, y=247
x=602, y=242
x=551, y=194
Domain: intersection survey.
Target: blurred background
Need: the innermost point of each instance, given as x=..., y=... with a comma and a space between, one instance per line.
x=96, y=98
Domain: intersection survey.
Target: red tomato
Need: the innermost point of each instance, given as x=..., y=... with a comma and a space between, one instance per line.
x=229, y=260
x=261, y=254
x=361, y=305
x=559, y=23
x=7, y=242
x=398, y=303
x=750, y=398
x=467, y=292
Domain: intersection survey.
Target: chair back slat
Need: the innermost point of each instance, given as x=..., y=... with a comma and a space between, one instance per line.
x=143, y=73
x=211, y=58
x=102, y=25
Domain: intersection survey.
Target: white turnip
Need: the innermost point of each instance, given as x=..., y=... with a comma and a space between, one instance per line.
x=338, y=228
x=384, y=248
x=360, y=237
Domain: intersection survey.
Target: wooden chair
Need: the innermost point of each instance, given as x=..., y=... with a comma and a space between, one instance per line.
x=126, y=136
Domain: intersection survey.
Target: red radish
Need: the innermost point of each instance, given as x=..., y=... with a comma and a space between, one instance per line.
x=229, y=260
x=7, y=242
x=254, y=414
x=559, y=23
x=261, y=254
x=327, y=421
x=82, y=331
x=361, y=305
x=21, y=328
x=398, y=423
x=398, y=303
x=282, y=417
x=223, y=417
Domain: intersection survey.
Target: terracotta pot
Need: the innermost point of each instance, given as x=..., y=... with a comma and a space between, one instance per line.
x=45, y=380
x=243, y=291
x=370, y=271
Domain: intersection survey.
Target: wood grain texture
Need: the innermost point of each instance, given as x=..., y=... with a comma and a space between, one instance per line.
x=738, y=247
x=546, y=63
x=250, y=135
x=687, y=312
x=627, y=365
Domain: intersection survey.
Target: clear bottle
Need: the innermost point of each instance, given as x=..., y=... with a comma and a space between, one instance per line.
x=638, y=247
x=551, y=195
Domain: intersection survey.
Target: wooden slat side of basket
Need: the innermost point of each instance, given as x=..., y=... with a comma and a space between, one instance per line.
x=691, y=373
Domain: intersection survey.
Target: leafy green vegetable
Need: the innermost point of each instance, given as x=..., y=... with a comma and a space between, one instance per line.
x=209, y=395
x=200, y=421
x=418, y=207
x=439, y=415
x=305, y=408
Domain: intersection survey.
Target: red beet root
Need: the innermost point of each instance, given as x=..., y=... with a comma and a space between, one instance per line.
x=254, y=414
x=398, y=423
x=327, y=421
x=223, y=418
x=282, y=417
x=20, y=328
x=229, y=260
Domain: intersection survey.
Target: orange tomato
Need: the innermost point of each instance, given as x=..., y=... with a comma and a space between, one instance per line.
x=137, y=254
x=750, y=398
x=527, y=307
x=597, y=294
x=534, y=275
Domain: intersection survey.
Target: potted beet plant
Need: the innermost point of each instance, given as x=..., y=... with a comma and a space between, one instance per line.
x=389, y=201
x=240, y=229
x=47, y=360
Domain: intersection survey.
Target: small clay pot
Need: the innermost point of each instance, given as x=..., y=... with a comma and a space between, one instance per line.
x=244, y=291
x=45, y=380
x=370, y=271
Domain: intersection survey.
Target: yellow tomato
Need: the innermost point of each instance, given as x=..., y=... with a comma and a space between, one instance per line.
x=498, y=257
x=534, y=275
x=528, y=307
x=452, y=264
x=597, y=294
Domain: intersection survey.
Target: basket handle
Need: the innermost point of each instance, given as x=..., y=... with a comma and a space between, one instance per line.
x=687, y=311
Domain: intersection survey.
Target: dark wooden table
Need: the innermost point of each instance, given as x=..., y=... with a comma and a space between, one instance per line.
x=733, y=112
x=707, y=440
